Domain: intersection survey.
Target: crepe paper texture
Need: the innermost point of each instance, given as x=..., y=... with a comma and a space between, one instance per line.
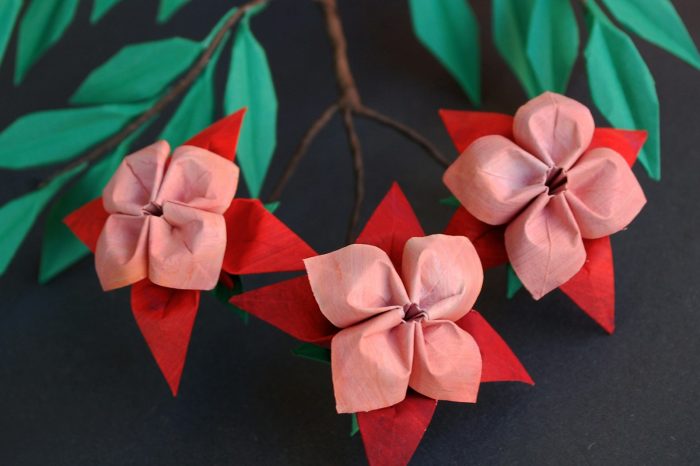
x=9, y=11
x=392, y=325
x=621, y=84
x=254, y=240
x=544, y=192
x=168, y=8
x=101, y=8
x=44, y=22
x=658, y=22
x=250, y=85
x=450, y=30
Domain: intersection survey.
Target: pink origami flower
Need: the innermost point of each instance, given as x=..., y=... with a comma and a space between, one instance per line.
x=166, y=219
x=549, y=187
x=408, y=335
x=398, y=329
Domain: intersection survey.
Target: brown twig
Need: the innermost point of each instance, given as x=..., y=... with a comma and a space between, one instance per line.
x=173, y=93
x=348, y=104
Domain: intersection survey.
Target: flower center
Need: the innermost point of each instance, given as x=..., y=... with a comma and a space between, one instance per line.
x=153, y=209
x=413, y=312
x=556, y=181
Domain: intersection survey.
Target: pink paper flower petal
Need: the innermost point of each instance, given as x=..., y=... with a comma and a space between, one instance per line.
x=121, y=256
x=494, y=179
x=555, y=128
x=446, y=363
x=371, y=363
x=186, y=248
x=137, y=180
x=200, y=179
x=355, y=283
x=544, y=245
x=443, y=275
x=603, y=193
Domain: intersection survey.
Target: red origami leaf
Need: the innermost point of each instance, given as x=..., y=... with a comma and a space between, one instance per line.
x=165, y=317
x=593, y=287
x=487, y=239
x=86, y=222
x=466, y=127
x=221, y=137
x=391, y=225
x=291, y=307
x=499, y=363
x=627, y=143
x=391, y=435
x=258, y=242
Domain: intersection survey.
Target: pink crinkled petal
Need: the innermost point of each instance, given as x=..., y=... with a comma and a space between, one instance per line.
x=443, y=275
x=186, y=248
x=494, y=179
x=200, y=179
x=354, y=283
x=446, y=362
x=555, y=128
x=544, y=245
x=371, y=363
x=603, y=193
x=121, y=256
x=137, y=180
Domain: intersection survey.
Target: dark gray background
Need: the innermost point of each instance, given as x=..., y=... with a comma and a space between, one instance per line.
x=77, y=382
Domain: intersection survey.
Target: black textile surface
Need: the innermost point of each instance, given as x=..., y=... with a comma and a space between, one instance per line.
x=78, y=385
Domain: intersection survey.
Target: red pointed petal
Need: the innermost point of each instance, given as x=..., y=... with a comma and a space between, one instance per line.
x=222, y=136
x=291, y=307
x=499, y=363
x=258, y=242
x=466, y=127
x=627, y=143
x=86, y=223
x=391, y=225
x=487, y=239
x=165, y=317
x=391, y=435
x=593, y=287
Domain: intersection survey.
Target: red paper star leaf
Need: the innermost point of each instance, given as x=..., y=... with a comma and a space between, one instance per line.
x=165, y=317
x=487, y=239
x=291, y=307
x=391, y=435
x=258, y=242
x=499, y=363
x=391, y=225
x=221, y=137
x=627, y=143
x=593, y=287
x=86, y=222
x=466, y=127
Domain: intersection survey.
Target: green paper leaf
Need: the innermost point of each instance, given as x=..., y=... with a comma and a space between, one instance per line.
x=219, y=24
x=272, y=206
x=224, y=294
x=60, y=247
x=53, y=136
x=450, y=201
x=510, y=26
x=658, y=22
x=450, y=30
x=101, y=8
x=354, y=426
x=196, y=111
x=42, y=25
x=138, y=72
x=9, y=10
x=513, y=283
x=621, y=85
x=168, y=8
x=552, y=43
x=18, y=215
x=313, y=352
x=250, y=85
